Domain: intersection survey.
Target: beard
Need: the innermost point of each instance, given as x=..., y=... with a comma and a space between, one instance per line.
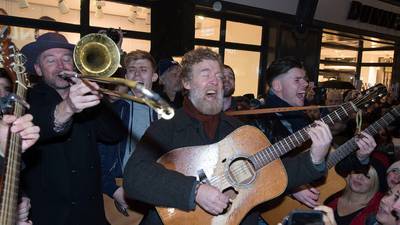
x=204, y=105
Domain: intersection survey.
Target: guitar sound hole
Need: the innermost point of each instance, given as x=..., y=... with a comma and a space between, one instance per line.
x=241, y=172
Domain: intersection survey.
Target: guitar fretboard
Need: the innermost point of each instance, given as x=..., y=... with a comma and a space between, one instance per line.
x=350, y=145
x=273, y=152
x=9, y=197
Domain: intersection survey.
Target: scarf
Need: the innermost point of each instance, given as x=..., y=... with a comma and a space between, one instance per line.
x=209, y=122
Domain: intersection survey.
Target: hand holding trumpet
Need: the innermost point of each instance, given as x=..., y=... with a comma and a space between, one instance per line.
x=81, y=95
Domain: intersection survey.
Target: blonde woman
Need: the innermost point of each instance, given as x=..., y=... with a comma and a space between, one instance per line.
x=387, y=214
x=361, y=196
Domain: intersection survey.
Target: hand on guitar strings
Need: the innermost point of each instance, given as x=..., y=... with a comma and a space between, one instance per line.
x=321, y=137
x=308, y=197
x=366, y=144
x=211, y=199
x=23, y=126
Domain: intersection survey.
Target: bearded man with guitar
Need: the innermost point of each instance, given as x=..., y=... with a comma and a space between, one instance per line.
x=200, y=122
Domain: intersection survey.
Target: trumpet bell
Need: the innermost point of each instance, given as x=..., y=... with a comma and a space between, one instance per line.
x=96, y=55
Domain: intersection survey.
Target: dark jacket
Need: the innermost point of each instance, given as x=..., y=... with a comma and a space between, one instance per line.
x=277, y=126
x=62, y=174
x=147, y=181
x=112, y=155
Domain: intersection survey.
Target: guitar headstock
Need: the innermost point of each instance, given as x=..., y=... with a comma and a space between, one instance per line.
x=370, y=95
x=13, y=62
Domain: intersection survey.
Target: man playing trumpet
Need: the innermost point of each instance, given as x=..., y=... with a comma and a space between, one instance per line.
x=62, y=177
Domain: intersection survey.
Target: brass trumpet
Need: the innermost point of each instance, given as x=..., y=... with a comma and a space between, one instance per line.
x=97, y=57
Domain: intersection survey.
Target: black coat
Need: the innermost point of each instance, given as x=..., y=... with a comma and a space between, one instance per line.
x=147, y=181
x=62, y=176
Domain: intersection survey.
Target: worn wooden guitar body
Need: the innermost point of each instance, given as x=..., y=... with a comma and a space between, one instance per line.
x=216, y=161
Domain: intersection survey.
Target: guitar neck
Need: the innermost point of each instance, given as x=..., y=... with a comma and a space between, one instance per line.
x=262, y=158
x=350, y=145
x=10, y=184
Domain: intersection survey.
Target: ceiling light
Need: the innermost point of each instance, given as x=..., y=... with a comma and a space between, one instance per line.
x=133, y=16
x=99, y=8
x=23, y=4
x=217, y=6
x=62, y=6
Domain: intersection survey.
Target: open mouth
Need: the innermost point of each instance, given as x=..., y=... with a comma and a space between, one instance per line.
x=301, y=95
x=211, y=94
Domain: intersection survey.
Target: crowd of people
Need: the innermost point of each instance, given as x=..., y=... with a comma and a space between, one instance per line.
x=76, y=141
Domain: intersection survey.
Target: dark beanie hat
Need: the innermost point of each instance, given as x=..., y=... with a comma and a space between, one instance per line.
x=164, y=65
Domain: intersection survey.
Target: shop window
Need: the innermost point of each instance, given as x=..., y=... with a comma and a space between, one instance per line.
x=246, y=67
x=207, y=28
x=235, y=33
x=67, y=12
x=339, y=60
x=336, y=72
x=375, y=44
x=338, y=40
x=131, y=44
x=116, y=15
x=374, y=75
x=377, y=56
x=338, y=55
x=22, y=36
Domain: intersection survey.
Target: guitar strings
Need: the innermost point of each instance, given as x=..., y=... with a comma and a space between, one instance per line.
x=241, y=169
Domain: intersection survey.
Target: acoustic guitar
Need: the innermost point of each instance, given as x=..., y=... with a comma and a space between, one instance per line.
x=115, y=217
x=13, y=61
x=244, y=165
x=279, y=208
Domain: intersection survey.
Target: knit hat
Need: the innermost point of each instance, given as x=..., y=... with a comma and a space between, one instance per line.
x=394, y=166
x=164, y=65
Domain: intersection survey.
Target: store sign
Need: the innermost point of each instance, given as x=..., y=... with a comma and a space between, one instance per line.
x=374, y=16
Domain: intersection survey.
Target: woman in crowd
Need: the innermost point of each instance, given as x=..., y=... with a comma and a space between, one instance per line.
x=386, y=214
x=362, y=194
